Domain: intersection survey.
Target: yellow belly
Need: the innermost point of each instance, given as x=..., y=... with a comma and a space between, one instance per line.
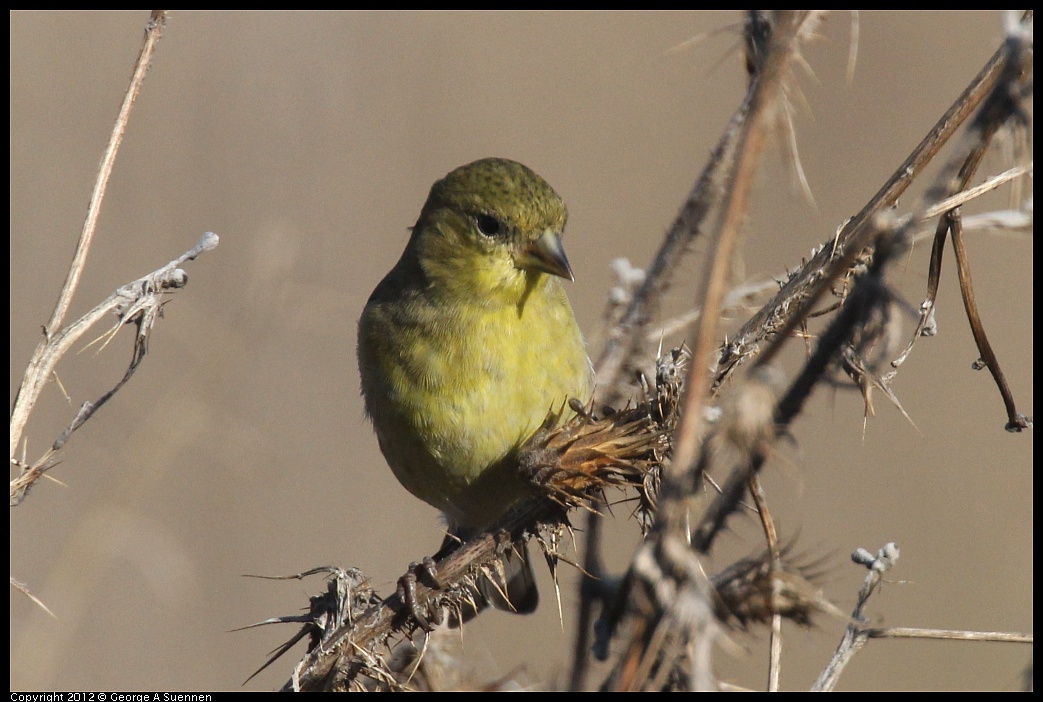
x=454, y=392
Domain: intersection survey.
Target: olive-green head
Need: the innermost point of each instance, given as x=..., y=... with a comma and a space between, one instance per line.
x=491, y=223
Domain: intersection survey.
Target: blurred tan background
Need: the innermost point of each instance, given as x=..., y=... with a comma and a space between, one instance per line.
x=308, y=141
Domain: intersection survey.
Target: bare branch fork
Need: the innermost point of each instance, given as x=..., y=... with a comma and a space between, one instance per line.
x=139, y=302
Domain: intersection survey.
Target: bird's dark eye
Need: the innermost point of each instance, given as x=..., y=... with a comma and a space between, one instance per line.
x=489, y=225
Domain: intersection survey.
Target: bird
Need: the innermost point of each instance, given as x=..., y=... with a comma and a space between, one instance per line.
x=468, y=344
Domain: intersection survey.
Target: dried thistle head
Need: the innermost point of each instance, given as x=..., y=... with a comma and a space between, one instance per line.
x=574, y=462
x=754, y=589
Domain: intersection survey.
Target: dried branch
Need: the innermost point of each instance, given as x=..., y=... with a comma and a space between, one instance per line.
x=813, y=279
x=676, y=626
x=909, y=632
x=771, y=535
x=42, y=364
x=853, y=639
x=857, y=634
x=869, y=295
x=140, y=303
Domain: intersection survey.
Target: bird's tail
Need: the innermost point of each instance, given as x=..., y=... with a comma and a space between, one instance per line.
x=513, y=590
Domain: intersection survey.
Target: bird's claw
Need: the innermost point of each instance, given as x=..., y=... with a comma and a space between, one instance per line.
x=430, y=569
x=407, y=594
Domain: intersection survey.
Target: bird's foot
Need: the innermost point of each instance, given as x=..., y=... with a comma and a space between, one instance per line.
x=426, y=572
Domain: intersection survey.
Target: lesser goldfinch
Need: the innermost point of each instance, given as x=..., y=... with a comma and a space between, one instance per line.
x=469, y=342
